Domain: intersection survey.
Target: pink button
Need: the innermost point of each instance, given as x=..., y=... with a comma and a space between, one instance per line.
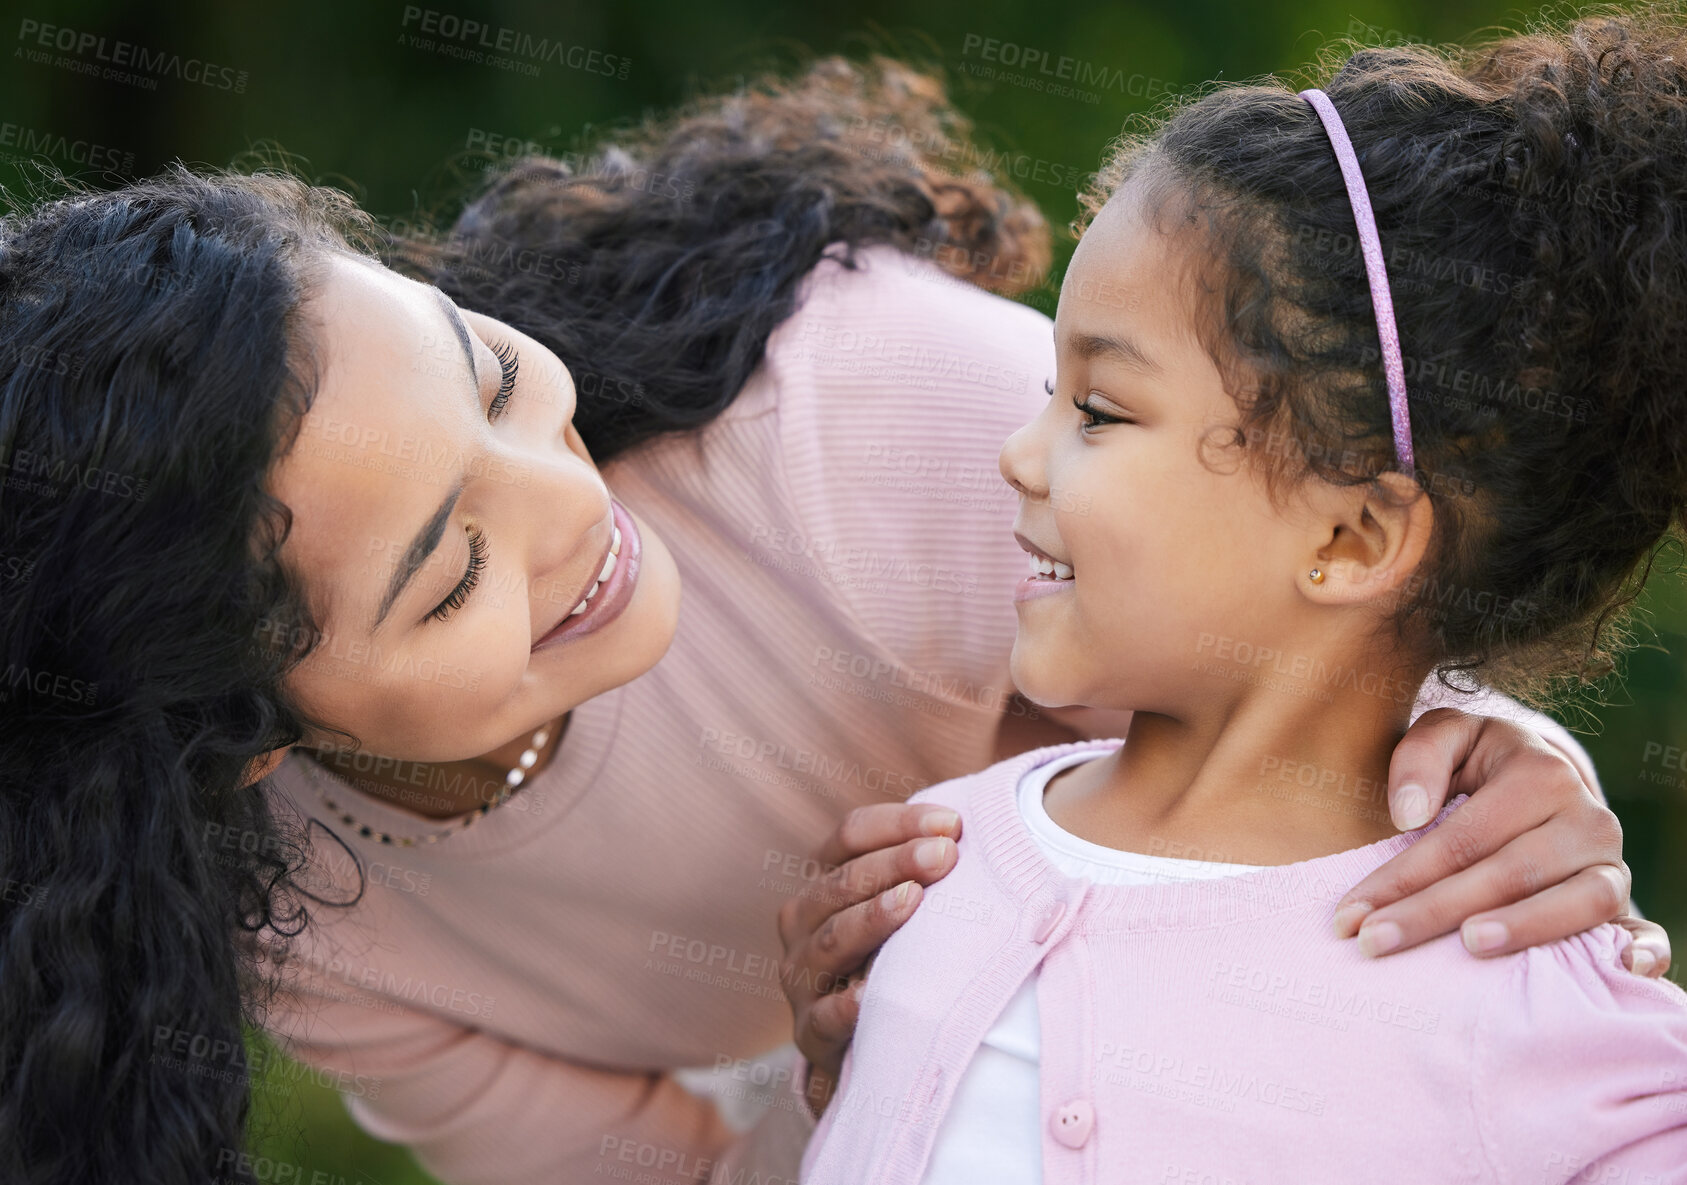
x=1051, y=919
x=1073, y=1123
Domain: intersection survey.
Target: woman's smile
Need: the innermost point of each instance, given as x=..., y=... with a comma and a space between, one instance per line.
x=611, y=589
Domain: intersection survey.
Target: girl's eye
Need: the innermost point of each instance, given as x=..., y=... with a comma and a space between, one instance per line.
x=465, y=586
x=1094, y=418
x=509, y=362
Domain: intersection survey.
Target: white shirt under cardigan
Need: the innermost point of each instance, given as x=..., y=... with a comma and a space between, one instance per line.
x=993, y=1131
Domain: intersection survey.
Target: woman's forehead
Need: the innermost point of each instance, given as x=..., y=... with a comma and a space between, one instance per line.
x=377, y=448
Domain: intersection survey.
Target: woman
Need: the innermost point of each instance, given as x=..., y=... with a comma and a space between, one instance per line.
x=277, y=495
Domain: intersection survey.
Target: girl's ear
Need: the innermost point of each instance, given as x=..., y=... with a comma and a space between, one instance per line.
x=1373, y=540
x=262, y=767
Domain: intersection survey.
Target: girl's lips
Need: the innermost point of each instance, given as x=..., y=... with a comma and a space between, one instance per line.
x=613, y=597
x=1032, y=587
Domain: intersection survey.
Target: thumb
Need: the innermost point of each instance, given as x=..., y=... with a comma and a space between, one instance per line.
x=1421, y=772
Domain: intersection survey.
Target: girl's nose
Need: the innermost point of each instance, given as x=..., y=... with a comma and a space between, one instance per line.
x=1021, y=462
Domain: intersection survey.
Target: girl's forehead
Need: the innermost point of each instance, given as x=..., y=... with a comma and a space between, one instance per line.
x=1143, y=234
x=1126, y=271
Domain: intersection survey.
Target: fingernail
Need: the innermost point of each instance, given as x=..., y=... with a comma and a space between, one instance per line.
x=1484, y=936
x=939, y=822
x=1641, y=961
x=1349, y=916
x=930, y=853
x=895, y=900
x=1379, y=939
x=1411, y=807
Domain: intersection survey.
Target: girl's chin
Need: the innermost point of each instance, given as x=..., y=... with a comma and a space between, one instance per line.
x=1036, y=675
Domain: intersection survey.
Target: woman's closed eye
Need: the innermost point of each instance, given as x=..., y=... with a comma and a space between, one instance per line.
x=460, y=595
x=509, y=362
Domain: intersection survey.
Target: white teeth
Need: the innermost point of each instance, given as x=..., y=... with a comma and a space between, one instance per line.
x=607, y=571
x=608, y=568
x=1046, y=567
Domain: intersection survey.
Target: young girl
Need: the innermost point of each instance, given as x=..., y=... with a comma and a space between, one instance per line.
x=1265, y=499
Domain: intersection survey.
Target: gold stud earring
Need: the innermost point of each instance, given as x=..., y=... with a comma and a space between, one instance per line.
x=1316, y=575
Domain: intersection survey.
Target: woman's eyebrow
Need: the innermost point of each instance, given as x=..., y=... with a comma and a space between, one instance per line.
x=415, y=555
x=454, y=317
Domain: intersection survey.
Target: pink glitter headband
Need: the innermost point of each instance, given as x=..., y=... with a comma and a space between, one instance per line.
x=1393, y=367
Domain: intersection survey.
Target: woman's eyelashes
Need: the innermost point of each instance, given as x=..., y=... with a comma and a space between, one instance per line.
x=459, y=595
x=509, y=362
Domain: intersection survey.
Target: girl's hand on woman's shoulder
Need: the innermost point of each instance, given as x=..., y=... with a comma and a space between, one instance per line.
x=878, y=862
x=1532, y=857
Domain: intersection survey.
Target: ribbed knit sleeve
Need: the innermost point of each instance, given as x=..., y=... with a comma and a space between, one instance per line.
x=479, y=1110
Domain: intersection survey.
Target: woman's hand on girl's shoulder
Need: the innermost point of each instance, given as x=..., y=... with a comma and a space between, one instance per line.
x=876, y=866
x=1532, y=857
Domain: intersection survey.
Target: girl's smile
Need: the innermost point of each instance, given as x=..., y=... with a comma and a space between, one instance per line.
x=1048, y=575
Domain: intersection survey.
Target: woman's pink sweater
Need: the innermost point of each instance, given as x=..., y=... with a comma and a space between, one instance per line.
x=1215, y=1032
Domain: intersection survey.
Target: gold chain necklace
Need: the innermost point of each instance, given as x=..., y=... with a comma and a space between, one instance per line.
x=516, y=776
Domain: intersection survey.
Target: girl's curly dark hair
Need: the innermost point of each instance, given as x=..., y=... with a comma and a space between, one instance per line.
x=1531, y=196
x=657, y=267
x=151, y=372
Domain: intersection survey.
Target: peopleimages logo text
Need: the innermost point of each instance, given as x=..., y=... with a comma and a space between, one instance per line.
x=504, y=40
x=130, y=56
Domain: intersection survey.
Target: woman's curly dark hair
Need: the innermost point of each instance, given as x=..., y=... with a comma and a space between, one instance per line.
x=657, y=267
x=1531, y=197
x=151, y=372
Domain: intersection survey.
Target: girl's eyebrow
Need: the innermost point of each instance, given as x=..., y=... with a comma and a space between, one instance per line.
x=1120, y=349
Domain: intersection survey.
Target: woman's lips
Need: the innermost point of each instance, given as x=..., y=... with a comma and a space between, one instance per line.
x=612, y=597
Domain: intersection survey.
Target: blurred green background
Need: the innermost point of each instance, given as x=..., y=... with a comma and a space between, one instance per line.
x=358, y=96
